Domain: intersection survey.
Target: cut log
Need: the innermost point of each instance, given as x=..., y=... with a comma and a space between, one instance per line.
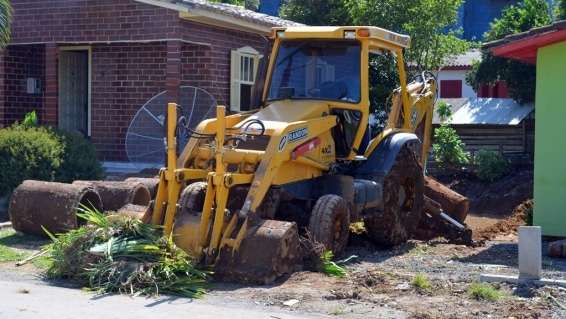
x=453, y=204
x=150, y=183
x=52, y=205
x=116, y=195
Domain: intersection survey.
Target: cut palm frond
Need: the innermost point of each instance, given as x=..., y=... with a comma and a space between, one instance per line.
x=330, y=267
x=5, y=21
x=121, y=254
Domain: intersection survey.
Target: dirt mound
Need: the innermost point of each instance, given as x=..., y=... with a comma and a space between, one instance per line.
x=508, y=225
x=495, y=199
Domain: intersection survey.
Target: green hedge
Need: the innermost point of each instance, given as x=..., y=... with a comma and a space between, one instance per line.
x=490, y=165
x=79, y=159
x=44, y=154
x=28, y=153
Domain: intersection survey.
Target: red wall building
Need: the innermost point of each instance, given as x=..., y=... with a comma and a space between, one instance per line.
x=89, y=65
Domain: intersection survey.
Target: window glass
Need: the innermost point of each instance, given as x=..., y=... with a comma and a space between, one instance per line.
x=326, y=70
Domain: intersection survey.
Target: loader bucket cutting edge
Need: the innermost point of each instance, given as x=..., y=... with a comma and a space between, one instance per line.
x=269, y=250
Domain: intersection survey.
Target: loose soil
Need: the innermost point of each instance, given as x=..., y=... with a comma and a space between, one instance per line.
x=495, y=208
x=378, y=284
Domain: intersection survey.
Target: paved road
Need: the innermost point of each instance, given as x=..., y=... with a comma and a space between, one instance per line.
x=28, y=299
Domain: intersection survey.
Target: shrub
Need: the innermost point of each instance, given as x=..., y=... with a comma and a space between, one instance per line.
x=27, y=153
x=79, y=159
x=444, y=111
x=448, y=148
x=490, y=165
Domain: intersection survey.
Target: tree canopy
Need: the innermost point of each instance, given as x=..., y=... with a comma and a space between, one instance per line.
x=518, y=18
x=317, y=12
x=520, y=77
x=561, y=10
x=428, y=23
x=248, y=4
x=5, y=19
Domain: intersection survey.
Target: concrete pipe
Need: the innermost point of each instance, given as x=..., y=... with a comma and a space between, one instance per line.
x=149, y=182
x=116, y=195
x=51, y=205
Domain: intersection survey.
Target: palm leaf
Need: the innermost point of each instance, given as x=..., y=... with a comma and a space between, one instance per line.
x=5, y=20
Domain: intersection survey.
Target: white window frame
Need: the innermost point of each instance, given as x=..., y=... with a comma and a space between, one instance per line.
x=236, y=71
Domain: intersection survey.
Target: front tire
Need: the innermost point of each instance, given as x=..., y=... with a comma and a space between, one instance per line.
x=330, y=223
x=403, y=201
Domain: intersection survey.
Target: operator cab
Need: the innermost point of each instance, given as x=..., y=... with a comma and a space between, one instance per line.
x=330, y=65
x=324, y=70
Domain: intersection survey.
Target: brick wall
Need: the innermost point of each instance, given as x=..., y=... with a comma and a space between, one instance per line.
x=2, y=88
x=125, y=74
x=124, y=77
x=215, y=77
x=20, y=63
x=90, y=20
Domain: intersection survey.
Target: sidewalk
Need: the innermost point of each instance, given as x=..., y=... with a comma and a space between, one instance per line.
x=25, y=300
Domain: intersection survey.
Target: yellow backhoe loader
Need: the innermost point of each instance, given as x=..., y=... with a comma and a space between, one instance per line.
x=246, y=184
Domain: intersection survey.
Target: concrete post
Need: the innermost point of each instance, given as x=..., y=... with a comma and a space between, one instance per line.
x=530, y=252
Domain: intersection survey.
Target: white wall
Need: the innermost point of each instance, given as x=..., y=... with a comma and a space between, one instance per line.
x=467, y=90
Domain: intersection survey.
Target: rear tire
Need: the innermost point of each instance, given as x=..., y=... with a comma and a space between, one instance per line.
x=403, y=202
x=330, y=223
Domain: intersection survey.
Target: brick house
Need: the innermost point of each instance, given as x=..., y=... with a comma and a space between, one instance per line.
x=88, y=65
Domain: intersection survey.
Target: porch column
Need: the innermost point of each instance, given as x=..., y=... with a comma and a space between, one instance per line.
x=50, y=96
x=2, y=89
x=173, y=80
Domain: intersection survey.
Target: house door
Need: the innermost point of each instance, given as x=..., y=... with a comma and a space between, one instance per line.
x=73, y=91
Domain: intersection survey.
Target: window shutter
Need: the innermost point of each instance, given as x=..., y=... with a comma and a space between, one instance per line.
x=235, y=81
x=450, y=88
x=256, y=67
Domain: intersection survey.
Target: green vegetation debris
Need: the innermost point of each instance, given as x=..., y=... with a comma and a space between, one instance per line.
x=358, y=228
x=484, y=291
x=122, y=254
x=330, y=267
x=334, y=268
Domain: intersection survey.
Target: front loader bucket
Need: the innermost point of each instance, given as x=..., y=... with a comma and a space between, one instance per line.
x=269, y=251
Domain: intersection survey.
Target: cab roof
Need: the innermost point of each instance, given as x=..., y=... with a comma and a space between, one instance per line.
x=332, y=32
